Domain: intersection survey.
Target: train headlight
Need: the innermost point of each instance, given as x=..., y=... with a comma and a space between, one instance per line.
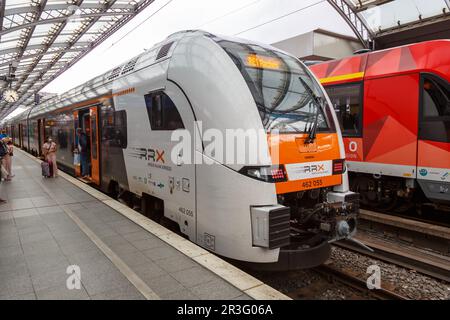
x=271, y=174
x=255, y=173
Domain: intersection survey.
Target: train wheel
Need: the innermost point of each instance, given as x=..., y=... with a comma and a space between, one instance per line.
x=374, y=193
x=152, y=207
x=367, y=191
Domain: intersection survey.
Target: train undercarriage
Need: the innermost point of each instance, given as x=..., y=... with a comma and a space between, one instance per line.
x=395, y=195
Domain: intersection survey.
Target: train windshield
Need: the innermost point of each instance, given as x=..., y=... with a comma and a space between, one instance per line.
x=288, y=98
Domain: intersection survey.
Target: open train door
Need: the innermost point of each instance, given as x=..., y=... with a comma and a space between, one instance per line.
x=95, y=154
x=76, y=125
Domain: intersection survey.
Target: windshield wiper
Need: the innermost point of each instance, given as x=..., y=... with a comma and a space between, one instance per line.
x=319, y=105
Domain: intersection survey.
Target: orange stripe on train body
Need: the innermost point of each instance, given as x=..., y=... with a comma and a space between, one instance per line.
x=93, y=101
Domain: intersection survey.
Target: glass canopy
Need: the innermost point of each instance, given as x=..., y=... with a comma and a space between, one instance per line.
x=382, y=15
x=40, y=39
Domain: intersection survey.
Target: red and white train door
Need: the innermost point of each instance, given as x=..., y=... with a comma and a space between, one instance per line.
x=433, y=159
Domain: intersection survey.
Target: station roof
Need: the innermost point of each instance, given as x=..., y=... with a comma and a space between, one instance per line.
x=395, y=22
x=386, y=15
x=43, y=38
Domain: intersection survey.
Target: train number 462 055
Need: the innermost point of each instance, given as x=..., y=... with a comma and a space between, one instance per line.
x=312, y=184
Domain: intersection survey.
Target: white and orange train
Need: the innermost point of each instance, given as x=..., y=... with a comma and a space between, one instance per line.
x=281, y=212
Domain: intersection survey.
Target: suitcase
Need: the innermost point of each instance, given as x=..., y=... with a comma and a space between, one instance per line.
x=45, y=166
x=50, y=164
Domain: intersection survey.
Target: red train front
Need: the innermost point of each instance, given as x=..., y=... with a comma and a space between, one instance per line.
x=394, y=110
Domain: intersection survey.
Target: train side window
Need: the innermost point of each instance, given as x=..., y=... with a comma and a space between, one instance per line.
x=114, y=127
x=162, y=112
x=120, y=121
x=435, y=109
x=347, y=101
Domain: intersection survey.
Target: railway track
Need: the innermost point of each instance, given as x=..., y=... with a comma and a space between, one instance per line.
x=408, y=243
x=346, y=278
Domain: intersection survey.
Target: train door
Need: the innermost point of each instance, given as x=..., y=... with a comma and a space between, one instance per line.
x=95, y=152
x=172, y=171
x=41, y=135
x=76, y=125
x=85, y=125
x=390, y=126
x=87, y=120
x=434, y=138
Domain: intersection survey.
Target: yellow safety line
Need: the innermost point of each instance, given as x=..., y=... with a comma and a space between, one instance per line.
x=343, y=77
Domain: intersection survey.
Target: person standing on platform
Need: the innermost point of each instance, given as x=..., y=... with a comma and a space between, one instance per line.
x=83, y=149
x=3, y=151
x=7, y=158
x=49, y=150
x=11, y=153
x=4, y=173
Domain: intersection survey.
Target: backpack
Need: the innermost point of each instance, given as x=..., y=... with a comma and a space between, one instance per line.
x=3, y=149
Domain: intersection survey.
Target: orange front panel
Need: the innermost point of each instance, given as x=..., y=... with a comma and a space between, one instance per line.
x=290, y=149
x=308, y=184
x=95, y=151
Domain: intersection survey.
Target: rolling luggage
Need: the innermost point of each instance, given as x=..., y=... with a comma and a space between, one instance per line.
x=46, y=168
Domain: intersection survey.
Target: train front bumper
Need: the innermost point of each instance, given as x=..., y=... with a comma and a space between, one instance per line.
x=274, y=227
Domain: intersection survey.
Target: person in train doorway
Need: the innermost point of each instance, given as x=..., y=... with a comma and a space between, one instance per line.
x=84, y=152
x=49, y=150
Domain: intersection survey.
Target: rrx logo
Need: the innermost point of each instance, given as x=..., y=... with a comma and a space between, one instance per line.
x=155, y=155
x=314, y=168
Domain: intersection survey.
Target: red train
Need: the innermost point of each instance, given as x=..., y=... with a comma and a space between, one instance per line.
x=394, y=111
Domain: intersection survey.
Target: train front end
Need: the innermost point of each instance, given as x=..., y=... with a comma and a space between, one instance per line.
x=315, y=206
x=281, y=210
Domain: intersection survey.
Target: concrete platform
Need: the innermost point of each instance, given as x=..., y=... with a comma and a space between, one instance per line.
x=48, y=225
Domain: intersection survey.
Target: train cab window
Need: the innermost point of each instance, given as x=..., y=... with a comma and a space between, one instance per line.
x=162, y=112
x=347, y=101
x=435, y=109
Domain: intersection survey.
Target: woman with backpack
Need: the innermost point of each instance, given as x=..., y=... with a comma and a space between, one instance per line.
x=49, y=150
